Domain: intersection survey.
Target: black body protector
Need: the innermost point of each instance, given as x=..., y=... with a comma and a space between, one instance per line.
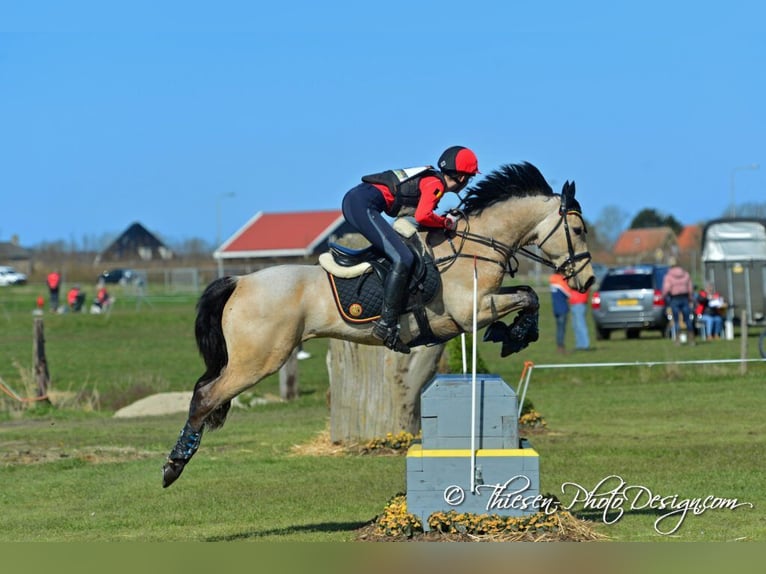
x=404, y=185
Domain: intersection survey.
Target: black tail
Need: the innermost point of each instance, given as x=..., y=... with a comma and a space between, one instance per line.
x=210, y=339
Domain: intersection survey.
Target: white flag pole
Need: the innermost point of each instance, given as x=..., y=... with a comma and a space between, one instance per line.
x=473, y=378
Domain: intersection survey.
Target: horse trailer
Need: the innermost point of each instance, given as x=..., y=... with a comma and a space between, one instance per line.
x=734, y=261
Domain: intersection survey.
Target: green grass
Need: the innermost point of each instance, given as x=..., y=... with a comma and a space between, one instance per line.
x=79, y=475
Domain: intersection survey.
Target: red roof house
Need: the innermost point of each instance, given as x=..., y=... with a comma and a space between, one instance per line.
x=647, y=245
x=272, y=238
x=690, y=240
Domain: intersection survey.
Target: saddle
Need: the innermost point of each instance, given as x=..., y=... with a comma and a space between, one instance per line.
x=357, y=277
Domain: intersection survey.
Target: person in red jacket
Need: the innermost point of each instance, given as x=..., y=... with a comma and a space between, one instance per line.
x=709, y=305
x=402, y=192
x=54, y=282
x=578, y=304
x=75, y=299
x=103, y=299
x=560, y=294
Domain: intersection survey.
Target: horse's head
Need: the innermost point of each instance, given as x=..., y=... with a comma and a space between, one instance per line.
x=557, y=228
x=564, y=241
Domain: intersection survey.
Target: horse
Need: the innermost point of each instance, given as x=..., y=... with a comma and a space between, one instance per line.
x=247, y=326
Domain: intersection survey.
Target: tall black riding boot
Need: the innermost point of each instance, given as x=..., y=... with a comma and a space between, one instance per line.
x=394, y=292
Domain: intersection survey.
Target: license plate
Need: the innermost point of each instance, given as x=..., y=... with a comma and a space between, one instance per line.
x=627, y=302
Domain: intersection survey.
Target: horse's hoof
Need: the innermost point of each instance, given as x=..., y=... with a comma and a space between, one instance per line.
x=171, y=471
x=496, y=332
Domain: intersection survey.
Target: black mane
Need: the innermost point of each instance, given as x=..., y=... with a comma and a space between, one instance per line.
x=510, y=180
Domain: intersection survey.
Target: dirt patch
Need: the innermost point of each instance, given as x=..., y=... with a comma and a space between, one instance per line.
x=96, y=454
x=321, y=445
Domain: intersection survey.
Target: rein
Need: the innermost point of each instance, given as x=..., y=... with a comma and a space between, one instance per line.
x=508, y=252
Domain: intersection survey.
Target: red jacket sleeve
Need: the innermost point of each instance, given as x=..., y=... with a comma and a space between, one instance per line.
x=431, y=192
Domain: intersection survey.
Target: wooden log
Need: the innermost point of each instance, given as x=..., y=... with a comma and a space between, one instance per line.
x=288, y=378
x=42, y=376
x=375, y=391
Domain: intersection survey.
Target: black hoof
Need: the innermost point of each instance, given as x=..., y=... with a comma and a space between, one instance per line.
x=171, y=471
x=496, y=332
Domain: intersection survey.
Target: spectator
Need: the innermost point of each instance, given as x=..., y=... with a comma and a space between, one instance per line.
x=708, y=310
x=678, y=291
x=579, y=304
x=54, y=282
x=560, y=293
x=103, y=300
x=75, y=299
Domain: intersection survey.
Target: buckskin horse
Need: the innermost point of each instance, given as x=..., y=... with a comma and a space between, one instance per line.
x=247, y=326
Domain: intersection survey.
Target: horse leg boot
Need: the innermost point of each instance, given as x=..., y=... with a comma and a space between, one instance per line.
x=191, y=435
x=187, y=444
x=394, y=291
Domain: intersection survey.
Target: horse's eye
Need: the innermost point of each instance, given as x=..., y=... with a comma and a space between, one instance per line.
x=578, y=231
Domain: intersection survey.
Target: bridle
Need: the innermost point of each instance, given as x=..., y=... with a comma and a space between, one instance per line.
x=570, y=263
x=568, y=268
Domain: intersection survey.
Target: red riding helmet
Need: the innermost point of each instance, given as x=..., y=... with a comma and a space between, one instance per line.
x=459, y=158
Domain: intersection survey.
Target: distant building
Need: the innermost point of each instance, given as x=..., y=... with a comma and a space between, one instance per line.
x=647, y=245
x=276, y=238
x=135, y=244
x=690, y=241
x=16, y=256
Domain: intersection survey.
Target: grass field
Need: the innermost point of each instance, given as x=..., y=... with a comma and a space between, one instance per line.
x=77, y=474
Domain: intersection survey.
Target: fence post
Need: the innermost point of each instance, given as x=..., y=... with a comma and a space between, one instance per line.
x=743, y=343
x=288, y=377
x=40, y=362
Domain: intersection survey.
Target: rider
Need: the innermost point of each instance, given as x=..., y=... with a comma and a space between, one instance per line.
x=401, y=192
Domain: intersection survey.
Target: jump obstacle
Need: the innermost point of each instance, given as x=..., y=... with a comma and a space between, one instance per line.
x=500, y=476
x=475, y=464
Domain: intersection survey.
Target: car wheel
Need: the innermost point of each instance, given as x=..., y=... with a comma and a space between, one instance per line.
x=603, y=334
x=633, y=333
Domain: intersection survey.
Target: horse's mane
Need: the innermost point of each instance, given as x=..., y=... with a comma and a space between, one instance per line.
x=510, y=180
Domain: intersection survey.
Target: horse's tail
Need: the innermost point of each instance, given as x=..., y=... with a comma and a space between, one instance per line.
x=210, y=340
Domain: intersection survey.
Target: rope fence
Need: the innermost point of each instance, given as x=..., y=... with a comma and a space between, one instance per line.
x=14, y=395
x=529, y=366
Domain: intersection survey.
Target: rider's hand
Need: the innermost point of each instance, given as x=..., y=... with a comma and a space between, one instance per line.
x=450, y=221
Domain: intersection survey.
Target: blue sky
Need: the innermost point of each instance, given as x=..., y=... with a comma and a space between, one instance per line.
x=158, y=112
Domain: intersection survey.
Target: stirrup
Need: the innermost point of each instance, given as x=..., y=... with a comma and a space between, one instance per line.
x=389, y=334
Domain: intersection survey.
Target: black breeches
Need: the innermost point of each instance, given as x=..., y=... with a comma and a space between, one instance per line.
x=363, y=207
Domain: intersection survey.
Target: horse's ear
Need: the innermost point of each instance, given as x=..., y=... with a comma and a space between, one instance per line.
x=567, y=193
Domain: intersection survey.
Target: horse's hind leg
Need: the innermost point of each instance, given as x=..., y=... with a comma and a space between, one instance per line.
x=189, y=440
x=210, y=404
x=243, y=336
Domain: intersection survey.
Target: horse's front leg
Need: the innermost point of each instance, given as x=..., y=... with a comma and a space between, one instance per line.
x=496, y=305
x=524, y=329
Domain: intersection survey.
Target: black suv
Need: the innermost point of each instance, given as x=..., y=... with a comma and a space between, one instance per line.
x=630, y=298
x=121, y=276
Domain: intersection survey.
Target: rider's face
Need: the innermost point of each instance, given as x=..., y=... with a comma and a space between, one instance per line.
x=459, y=182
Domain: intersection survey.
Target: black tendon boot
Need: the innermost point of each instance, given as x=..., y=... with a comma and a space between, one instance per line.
x=394, y=291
